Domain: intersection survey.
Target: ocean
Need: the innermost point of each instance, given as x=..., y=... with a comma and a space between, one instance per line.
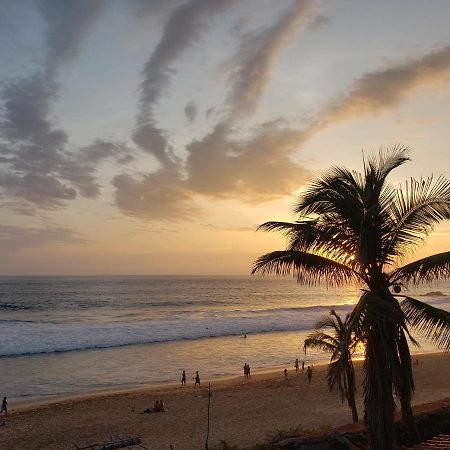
x=63, y=336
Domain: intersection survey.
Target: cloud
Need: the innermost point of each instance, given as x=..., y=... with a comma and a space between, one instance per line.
x=36, y=164
x=380, y=90
x=255, y=169
x=222, y=165
x=185, y=25
x=252, y=66
x=14, y=238
x=190, y=111
x=68, y=22
x=156, y=196
x=42, y=190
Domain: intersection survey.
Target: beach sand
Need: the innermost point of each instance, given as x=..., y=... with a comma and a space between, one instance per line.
x=243, y=412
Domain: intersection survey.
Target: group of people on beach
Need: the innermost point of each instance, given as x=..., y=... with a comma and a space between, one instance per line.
x=309, y=370
x=196, y=378
x=157, y=407
x=297, y=366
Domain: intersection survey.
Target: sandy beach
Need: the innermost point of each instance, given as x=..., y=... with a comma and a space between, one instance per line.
x=243, y=412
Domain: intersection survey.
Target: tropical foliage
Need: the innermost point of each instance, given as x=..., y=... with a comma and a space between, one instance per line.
x=356, y=228
x=340, y=342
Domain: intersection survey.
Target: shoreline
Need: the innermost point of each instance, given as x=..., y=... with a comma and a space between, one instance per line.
x=36, y=402
x=243, y=412
x=222, y=380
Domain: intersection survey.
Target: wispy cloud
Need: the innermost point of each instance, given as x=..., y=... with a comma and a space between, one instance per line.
x=219, y=164
x=185, y=25
x=259, y=167
x=383, y=89
x=38, y=167
x=251, y=68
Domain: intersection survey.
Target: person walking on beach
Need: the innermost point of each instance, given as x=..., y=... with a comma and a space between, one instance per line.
x=246, y=370
x=4, y=407
x=285, y=375
x=303, y=366
x=183, y=378
x=296, y=365
x=197, y=379
x=309, y=374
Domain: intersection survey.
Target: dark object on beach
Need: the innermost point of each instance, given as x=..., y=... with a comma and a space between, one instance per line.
x=434, y=427
x=157, y=407
x=4, y=407
x=113, y=445
x=209, y=403
x=309, y=374
x=246, y=370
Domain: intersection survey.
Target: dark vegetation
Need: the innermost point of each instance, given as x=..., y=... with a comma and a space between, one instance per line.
x=356, y=228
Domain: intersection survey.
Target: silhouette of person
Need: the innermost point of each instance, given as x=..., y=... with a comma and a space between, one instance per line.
x=296, y=365
x=197, y=379
x=183, y=378
x=309, y=373
x=303, y=366
x=245, y=370
x=4, y=407
x=285, y=375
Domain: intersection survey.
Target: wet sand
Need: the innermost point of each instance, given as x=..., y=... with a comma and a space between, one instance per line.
x=243, y=412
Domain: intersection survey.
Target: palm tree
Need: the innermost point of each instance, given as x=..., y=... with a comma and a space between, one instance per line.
x=341, y=344
x=356, y=228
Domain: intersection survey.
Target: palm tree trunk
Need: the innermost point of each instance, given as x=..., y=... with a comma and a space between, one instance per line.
x=378, y=399
x=352, y=405
x=406, y=388
x=351, y=393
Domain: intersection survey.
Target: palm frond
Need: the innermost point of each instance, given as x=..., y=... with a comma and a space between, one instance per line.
x=338, y=192
x=320, y=341
x=388, y=159
x=286, y=227
x=427, y=269
x=307, y=267
x=325, y=322
x=325, y=235
x=415, y=210
x=433, y=322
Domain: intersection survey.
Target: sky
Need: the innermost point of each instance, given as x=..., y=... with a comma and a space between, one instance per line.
x=154, y=136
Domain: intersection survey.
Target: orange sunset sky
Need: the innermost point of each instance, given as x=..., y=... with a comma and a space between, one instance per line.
x=152, y=137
